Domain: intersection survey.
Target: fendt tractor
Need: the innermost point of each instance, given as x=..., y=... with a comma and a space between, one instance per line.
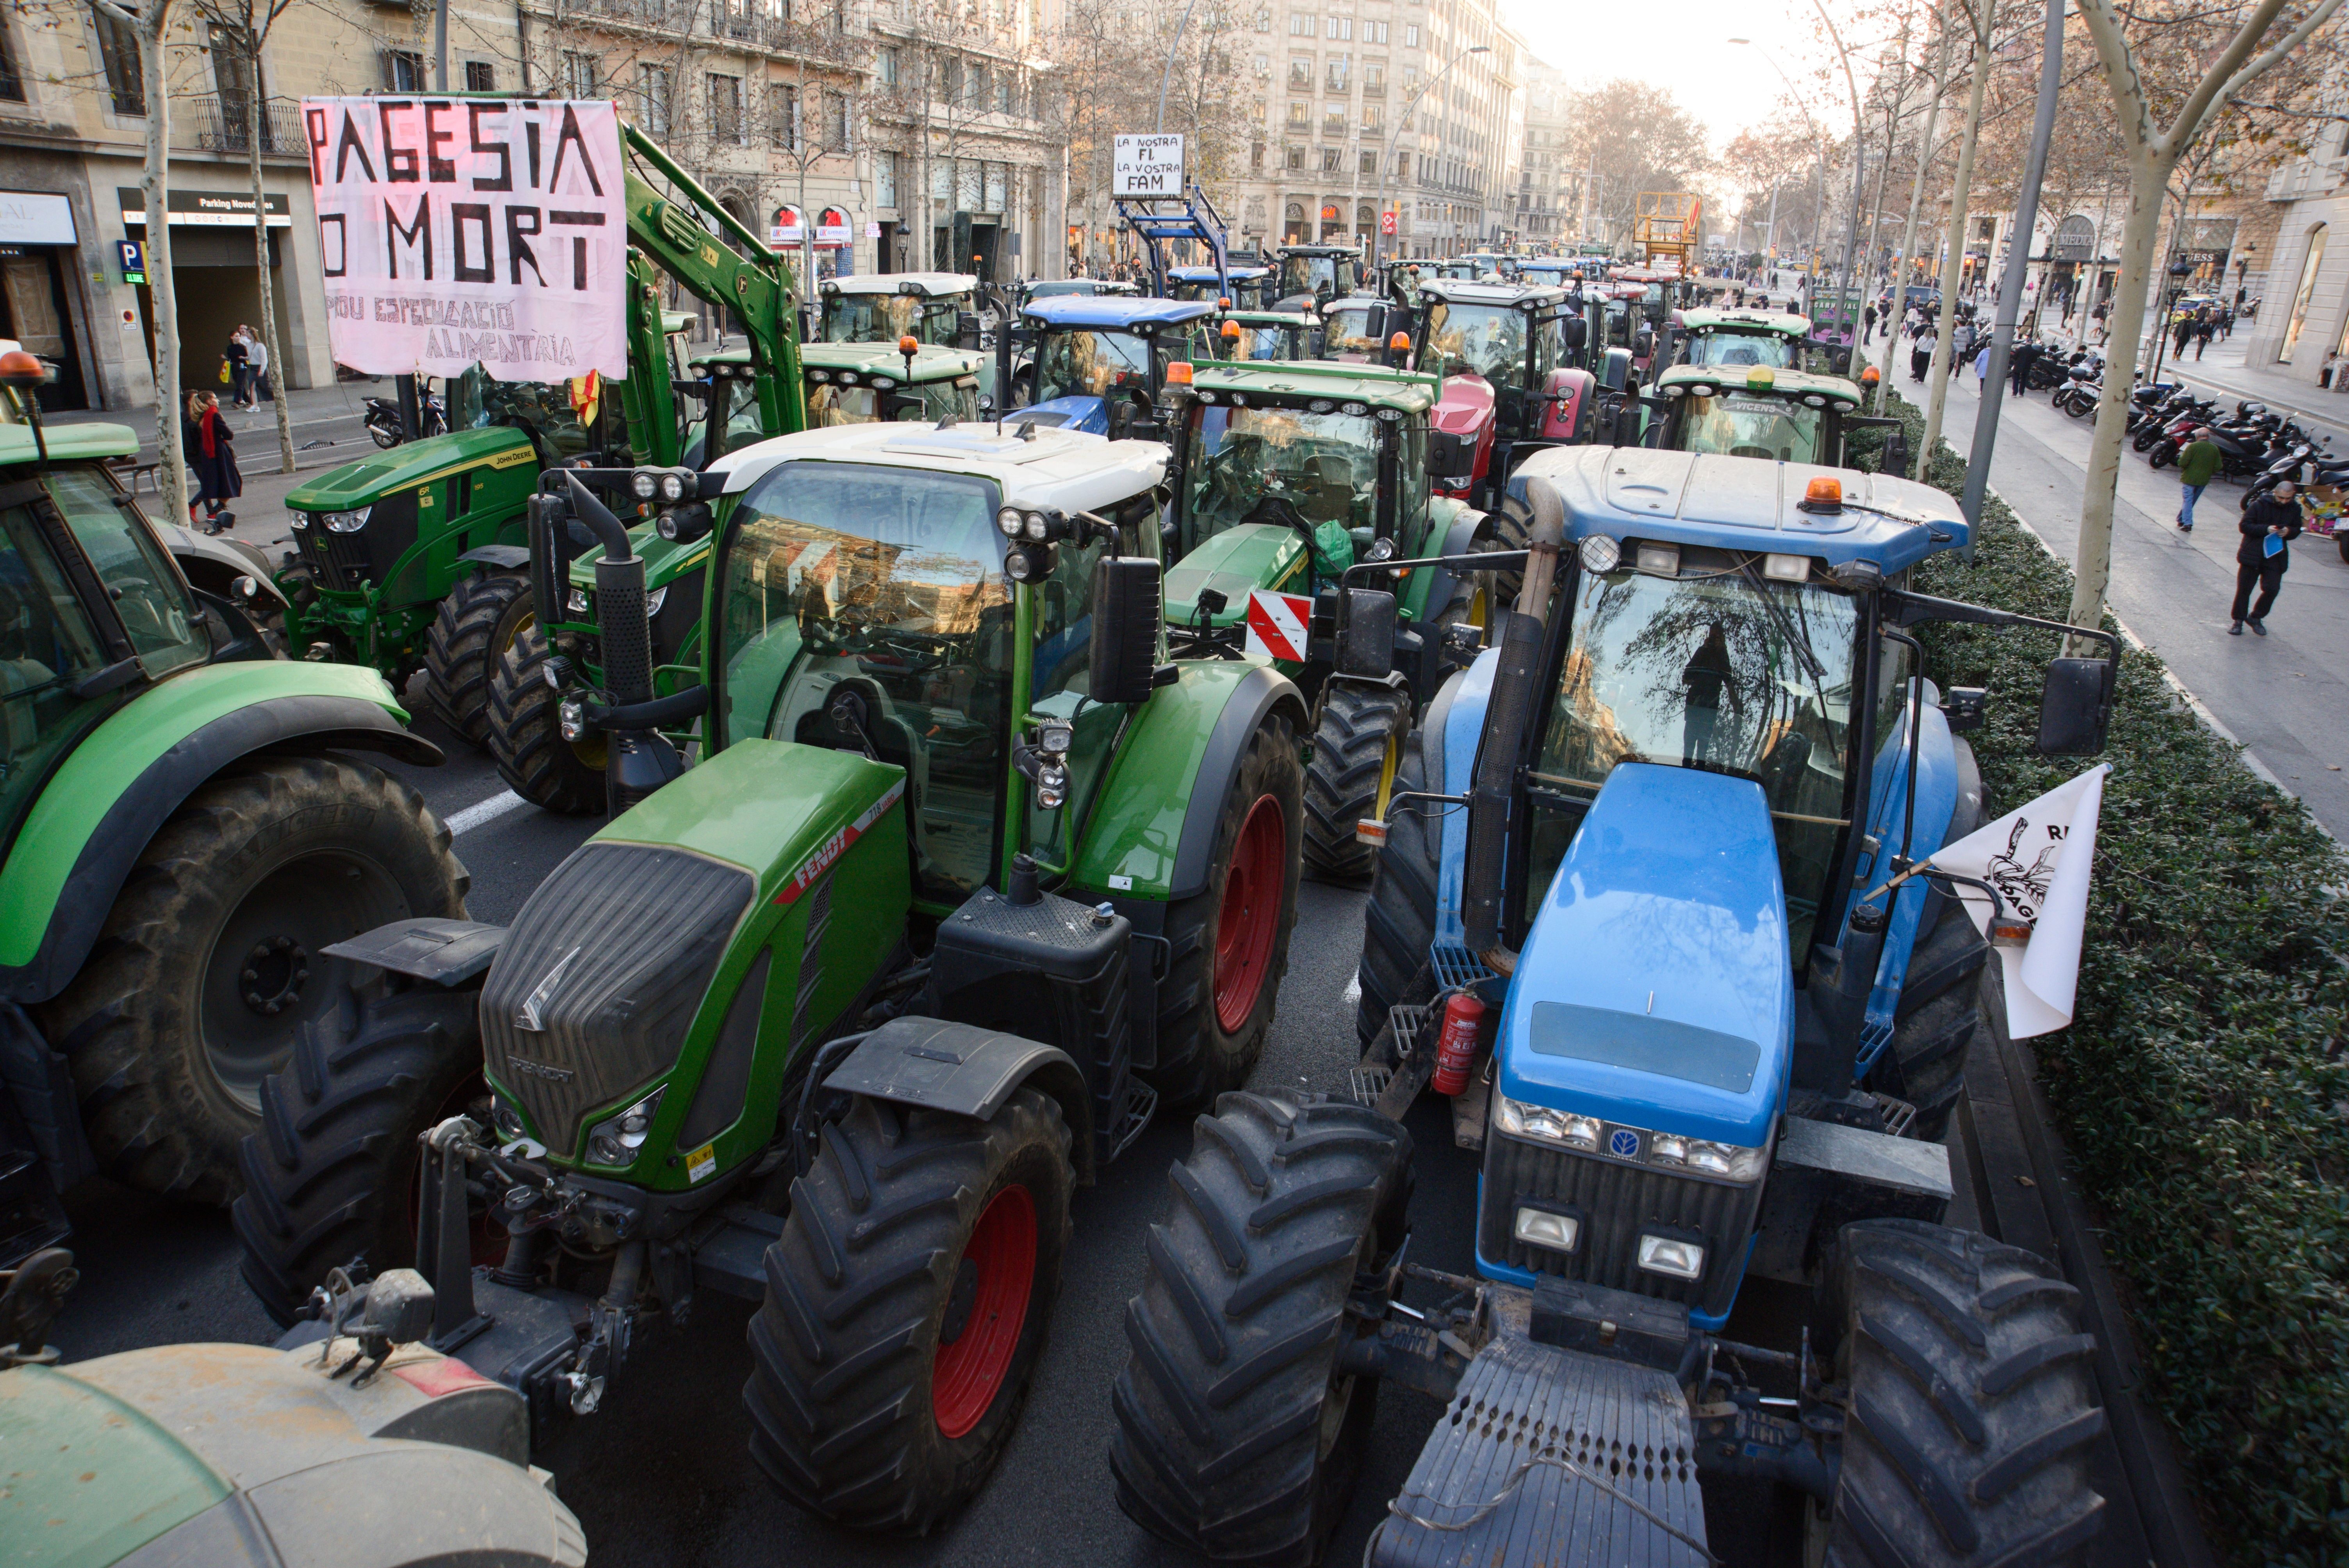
x=185, y=826
x=416, y=557
x=969, y=878
x=1284, y=477
x=1778, y=415
x=1655, y=905
x=936, y=308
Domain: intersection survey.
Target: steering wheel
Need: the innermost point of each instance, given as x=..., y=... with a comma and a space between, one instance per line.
x=1765, y=453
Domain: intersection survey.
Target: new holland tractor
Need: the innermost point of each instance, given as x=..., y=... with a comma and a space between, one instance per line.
x=415, y=558
x=1095, y=362
x=969, y=878
x=187, y=822
x=1654, y=904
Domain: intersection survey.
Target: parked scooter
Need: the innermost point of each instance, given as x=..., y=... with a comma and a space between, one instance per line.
x=384, y=424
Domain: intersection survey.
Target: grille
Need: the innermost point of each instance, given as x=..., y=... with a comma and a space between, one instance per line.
x=613, y=954
x=341, y=559
x=1616, y=1201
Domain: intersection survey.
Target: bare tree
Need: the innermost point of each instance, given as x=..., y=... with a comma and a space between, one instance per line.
x=242, y=28
x=149, y=20
x=1981, y=18
x=1905, y=260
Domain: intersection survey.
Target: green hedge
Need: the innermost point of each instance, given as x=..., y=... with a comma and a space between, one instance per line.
x=2203, y=1087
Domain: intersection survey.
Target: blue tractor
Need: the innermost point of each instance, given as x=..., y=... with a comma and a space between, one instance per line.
x=1649, y=906
x=1095, y=363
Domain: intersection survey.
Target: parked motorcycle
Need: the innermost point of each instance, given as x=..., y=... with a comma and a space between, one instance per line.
x=384, y=424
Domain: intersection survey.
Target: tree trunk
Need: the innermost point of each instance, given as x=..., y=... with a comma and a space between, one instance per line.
x=286, y=459
x=1905, y=262
x=2093, y=556
x=1937, y=377
x=149, y=23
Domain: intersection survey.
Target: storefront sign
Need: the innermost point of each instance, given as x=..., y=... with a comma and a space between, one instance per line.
x=36, y=218
x=204, y=209
x=457, y=231
x=831, y=227
x=787, y=227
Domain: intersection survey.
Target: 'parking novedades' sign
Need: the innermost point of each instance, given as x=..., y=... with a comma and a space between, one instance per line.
x=453, y=230
x=1146, y=166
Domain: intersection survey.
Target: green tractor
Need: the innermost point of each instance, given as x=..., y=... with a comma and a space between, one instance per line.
x=1780, y=416
x=185, y=827
x=1286, y=476
x=969, y=879
x=416, y=558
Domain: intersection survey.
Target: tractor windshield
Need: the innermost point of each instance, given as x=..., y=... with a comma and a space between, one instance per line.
x=1265, y=343
x=1346, y=334
x=1716, y=347
x=885, y=319
x=889, y=583
x=1082, y=361
x=1718, y=670
x=1752, y=425
x=561, y=417
x=1324, y=465
x=1308, y=275
x=1487, y=340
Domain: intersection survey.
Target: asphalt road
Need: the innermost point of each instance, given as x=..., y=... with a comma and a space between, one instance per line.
x=662, y=1474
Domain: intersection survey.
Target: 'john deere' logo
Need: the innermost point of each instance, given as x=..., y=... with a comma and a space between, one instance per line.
x=1624, y=1144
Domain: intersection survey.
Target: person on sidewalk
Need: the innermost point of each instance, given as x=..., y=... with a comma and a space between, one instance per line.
x=2198, y=465
x=1868, y=324
x=1920, y=353
x=2203, y=328
x=2019, y=364
x=1981, y=368
x=211, y=452
x=2183, y=330
x=2269, y=524
x=239, y=371
x=256, y=358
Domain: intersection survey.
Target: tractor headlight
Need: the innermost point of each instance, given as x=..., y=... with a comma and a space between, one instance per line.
x=672, y=486
x=1541, y=1228
x=617, y=1142
x=1550, y=1125
x=300, y=521
x=1036, y=526
x=1729, y=1160
x=644, y=484
x=573, y=714
x=819, y=377
x=652, y=601
x=1671, y=1257
x=1051, y=787
x=1007, y=521
x=507, y=1120
x=344, y=522
x=1600, y=554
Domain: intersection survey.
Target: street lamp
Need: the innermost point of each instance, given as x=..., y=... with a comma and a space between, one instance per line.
x=1386, y=160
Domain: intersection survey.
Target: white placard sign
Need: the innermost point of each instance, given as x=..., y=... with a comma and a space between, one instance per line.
x=457, y=231
x=1146, y=166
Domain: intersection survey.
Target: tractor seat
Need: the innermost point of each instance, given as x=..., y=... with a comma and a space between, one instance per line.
x=1329, y=493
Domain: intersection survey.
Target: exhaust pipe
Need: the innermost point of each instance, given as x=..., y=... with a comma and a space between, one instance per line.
x=1504, y=727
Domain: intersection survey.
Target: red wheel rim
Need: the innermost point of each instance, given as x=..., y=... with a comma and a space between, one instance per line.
x=969, y=1370
x=1250, y=916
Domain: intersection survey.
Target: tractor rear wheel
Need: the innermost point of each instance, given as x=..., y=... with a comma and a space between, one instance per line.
x=1228, y=943
x=525, y=731
x=1399, y=919
x=1238, y=1436
x=1972, y=1404
x=477, y=623
x=1357, y=744
x=331, y=1175
x=211, y=961
x=906, y=1306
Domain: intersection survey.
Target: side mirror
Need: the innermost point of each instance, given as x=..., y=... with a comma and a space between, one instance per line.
x=1374, y=324
x=967, y=329
x=1125, y=629
x=1615, y=372
x=1896, y=454
x=1627, y=424
x=2075, y=707
x=1449, y=456
x=1366, y=645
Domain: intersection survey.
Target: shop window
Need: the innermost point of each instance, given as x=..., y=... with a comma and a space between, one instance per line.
x=2301, y=295
x=118, y=49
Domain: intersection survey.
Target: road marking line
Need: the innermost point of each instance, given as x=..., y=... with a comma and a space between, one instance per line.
x=488, y=811
x=1354, y=988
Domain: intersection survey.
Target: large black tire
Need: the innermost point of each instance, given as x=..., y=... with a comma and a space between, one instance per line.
x=271, y=861
x=525, y=734
x=1972, y=1404
x=1399, y=919
x=331, y=1175
x=1224, y=967
x=1356, y=740
x=477, y=623
x=1236, y=1437
x=1943, y=1008
x=861, y=1410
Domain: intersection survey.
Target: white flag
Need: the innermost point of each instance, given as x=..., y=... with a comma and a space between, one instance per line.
x=2037, y=856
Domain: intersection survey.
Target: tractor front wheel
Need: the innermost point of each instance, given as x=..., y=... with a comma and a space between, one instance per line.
x=475, y=626
x=1972, y=1404
x=1238, y=1436
x=1357, y=746
x=525, y=731
x=1228, y=943
x=1399, y=919
x=212, y=958
x=906, y=1305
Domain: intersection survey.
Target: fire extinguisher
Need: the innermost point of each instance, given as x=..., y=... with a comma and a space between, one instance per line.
x=1455, y=1048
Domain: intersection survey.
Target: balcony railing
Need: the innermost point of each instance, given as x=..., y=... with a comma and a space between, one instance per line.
x=224, y=124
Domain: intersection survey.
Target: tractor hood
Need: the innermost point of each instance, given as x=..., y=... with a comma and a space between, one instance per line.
x=1235, y=563
x=1655, y=989
x=1465, y=408
x=413, y=463
x=1090, y=414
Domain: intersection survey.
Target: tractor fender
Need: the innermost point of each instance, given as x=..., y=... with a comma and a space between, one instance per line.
x=97, y=812
x=1563, y=420
x=1258, y=693
x=212, y=565
x=1457, y=539
x=934, y=1065
x=504, y=557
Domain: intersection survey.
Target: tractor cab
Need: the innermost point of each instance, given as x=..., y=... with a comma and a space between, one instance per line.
x=1498, y=349
x=1549, y=272
x=1358, y=328
x=846, y=384
x=1736, y=340
x=936, y=308
x=1263, y=335
x=1310, y=274
x=1489, y=265
x=1077, y=362
x=1778, y=415
x=1062, y=288
x=1244, y=286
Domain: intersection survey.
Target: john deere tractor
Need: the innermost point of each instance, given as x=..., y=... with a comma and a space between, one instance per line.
x=968, y=880
x=186, y=824
x=1740, y=411
x=1656, y=906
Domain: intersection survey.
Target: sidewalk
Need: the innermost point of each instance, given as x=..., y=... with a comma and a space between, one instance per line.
x=2223, y=370
x=2282, y=695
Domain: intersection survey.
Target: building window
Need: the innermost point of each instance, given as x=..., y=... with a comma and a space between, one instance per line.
x=578, y=81
x=1370, y=113
x=1295, y=158
x=118, y=49
x=1256, y=158
x=403, y=71
x=1339, y=72
x=1300, y=114
x=1300, y=70
x=1411, y=79
x=982, y=86
x=784, y=101
x=836, y=119
x=998, y=186
x=1342, y=27
x=2308, y=271
x=1329, y=156
x=652, y=99
x=1374, y=32
x=1374, y=78
x=884, y=179
x=1370, y=163
x=1402, y=165
x=1333, y=119
x=1411, y=35
x=1003, y=92
x=1264, y=20
x=949, y=80
x=885, y=67
x=1301, y=27
x=481, y=76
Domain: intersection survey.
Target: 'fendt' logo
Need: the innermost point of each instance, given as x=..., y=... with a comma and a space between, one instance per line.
x=540, y=1070
x=529, y=1015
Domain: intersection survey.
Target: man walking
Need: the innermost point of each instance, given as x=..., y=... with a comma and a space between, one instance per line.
x=2269, y=524
x=2019, y=364
x=1868, y=324
x=2198, y=465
